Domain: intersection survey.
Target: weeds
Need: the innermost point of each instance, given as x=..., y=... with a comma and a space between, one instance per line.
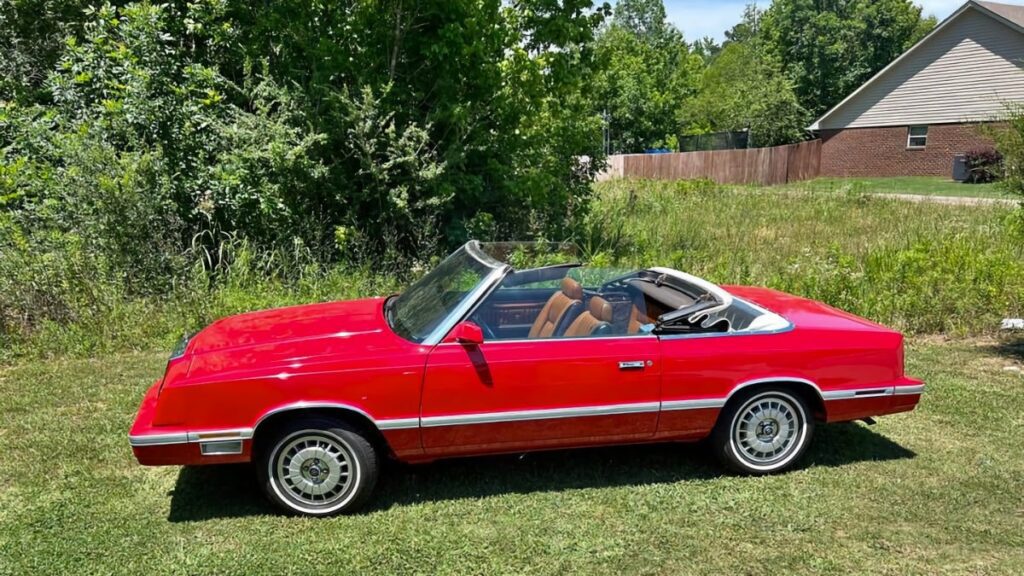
x=921, y=268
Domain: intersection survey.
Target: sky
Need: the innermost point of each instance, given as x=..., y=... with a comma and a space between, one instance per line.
x=699, y=18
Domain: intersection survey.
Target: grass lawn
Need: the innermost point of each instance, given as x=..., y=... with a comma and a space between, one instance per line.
x=916, y=185
x=920, y=267
x=936, y=491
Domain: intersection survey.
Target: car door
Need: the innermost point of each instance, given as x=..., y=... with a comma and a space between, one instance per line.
x=520, y=394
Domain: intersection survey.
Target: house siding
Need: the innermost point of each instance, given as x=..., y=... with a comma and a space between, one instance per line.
x=882, y=151
x=966, y=71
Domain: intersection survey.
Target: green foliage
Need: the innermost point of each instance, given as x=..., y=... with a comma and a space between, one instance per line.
x=134, y=137
x=744, y=89
x=919, y=267
x=984, y=165
x=831, y=47
x=647, y=73
x=1009, y=142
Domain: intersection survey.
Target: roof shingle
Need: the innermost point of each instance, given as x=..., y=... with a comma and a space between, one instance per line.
x=1012, y=12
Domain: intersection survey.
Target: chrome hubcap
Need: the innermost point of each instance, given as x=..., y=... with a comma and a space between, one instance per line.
x=766, y=429
x=314, y=469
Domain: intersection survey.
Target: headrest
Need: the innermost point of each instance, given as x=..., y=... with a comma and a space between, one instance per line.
x=600, y=308
x=572, y=288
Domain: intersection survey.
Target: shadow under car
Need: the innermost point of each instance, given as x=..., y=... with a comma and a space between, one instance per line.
x=207, y=492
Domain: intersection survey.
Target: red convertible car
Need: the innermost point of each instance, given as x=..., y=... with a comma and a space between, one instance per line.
x=479, y=358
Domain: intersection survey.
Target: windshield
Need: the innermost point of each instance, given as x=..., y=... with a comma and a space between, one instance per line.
x=420, y=310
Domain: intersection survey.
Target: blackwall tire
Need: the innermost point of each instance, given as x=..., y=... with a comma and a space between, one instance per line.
x=764, y=431
x=318, y=467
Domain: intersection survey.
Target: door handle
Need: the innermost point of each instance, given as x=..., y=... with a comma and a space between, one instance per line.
x=632, y=365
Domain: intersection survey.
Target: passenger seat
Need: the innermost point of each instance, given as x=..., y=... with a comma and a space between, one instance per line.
x=637, y=319
x=595, y=321
x=560, y=310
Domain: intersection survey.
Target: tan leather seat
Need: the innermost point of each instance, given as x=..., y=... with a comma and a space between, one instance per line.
x=596, y=320
x=559, y=310
x=636, y=320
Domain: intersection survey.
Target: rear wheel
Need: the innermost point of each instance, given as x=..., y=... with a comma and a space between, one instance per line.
x=318, y=467
x=763, y=431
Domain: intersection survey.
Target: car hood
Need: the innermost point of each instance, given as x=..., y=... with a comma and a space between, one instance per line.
x=354, y=320
x=309, y=335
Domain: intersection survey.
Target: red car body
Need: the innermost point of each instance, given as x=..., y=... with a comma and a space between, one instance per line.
x=429, y=401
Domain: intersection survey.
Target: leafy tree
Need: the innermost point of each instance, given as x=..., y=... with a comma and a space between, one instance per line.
x=645, y=19
x=829, y=47
x=400, y=126
x=748, y=28
x=495, y=87
x=744, y=89
x=647, y=73
x=707, y=48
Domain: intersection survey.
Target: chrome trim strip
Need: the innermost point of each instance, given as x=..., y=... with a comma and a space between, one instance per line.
x=240, y=434
x=158, y=439
x=857, y=393
x=217, y=435
x=772, y=379
x=398, y=423
x=672, y=405
x=526, y=415
x=303, y=404
x=190, y=437
x=384, y=424
x=558, y=339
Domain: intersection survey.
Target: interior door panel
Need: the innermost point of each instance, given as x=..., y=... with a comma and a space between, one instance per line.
x=510, y=312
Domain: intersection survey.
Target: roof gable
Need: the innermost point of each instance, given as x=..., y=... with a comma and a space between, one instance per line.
x=980, y=22
x=1012, y=13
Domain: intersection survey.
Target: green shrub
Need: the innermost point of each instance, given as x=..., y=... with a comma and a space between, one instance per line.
x=1009, y=142
x=984, y=165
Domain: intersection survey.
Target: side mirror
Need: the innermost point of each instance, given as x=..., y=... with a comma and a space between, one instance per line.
x=466, y=333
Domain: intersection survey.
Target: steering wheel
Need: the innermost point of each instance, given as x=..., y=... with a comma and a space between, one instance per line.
x=489, y=333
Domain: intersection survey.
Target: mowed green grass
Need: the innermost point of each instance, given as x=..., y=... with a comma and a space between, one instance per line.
x=936, y=491
x=914, y=185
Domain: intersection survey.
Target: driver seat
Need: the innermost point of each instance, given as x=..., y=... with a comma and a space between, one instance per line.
x=561, y=309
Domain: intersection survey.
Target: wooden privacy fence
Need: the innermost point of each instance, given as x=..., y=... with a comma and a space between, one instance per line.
x=775, y=165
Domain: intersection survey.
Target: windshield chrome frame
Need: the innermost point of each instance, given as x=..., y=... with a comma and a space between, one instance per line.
x=498, y=272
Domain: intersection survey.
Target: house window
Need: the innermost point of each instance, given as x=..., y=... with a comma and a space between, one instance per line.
x=917, y=136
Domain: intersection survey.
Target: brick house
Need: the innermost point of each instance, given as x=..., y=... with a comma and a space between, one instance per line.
x=911, y=118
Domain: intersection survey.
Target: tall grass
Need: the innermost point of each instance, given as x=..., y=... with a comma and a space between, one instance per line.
x=926, y=268
x=922, y=268
x=231, y=279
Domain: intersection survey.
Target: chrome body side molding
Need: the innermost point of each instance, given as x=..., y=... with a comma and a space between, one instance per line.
x=546, y=414
x=673, y=405
x=214, y=442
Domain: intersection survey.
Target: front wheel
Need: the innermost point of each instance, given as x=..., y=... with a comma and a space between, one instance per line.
x=318, y=467
x=762, y=432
